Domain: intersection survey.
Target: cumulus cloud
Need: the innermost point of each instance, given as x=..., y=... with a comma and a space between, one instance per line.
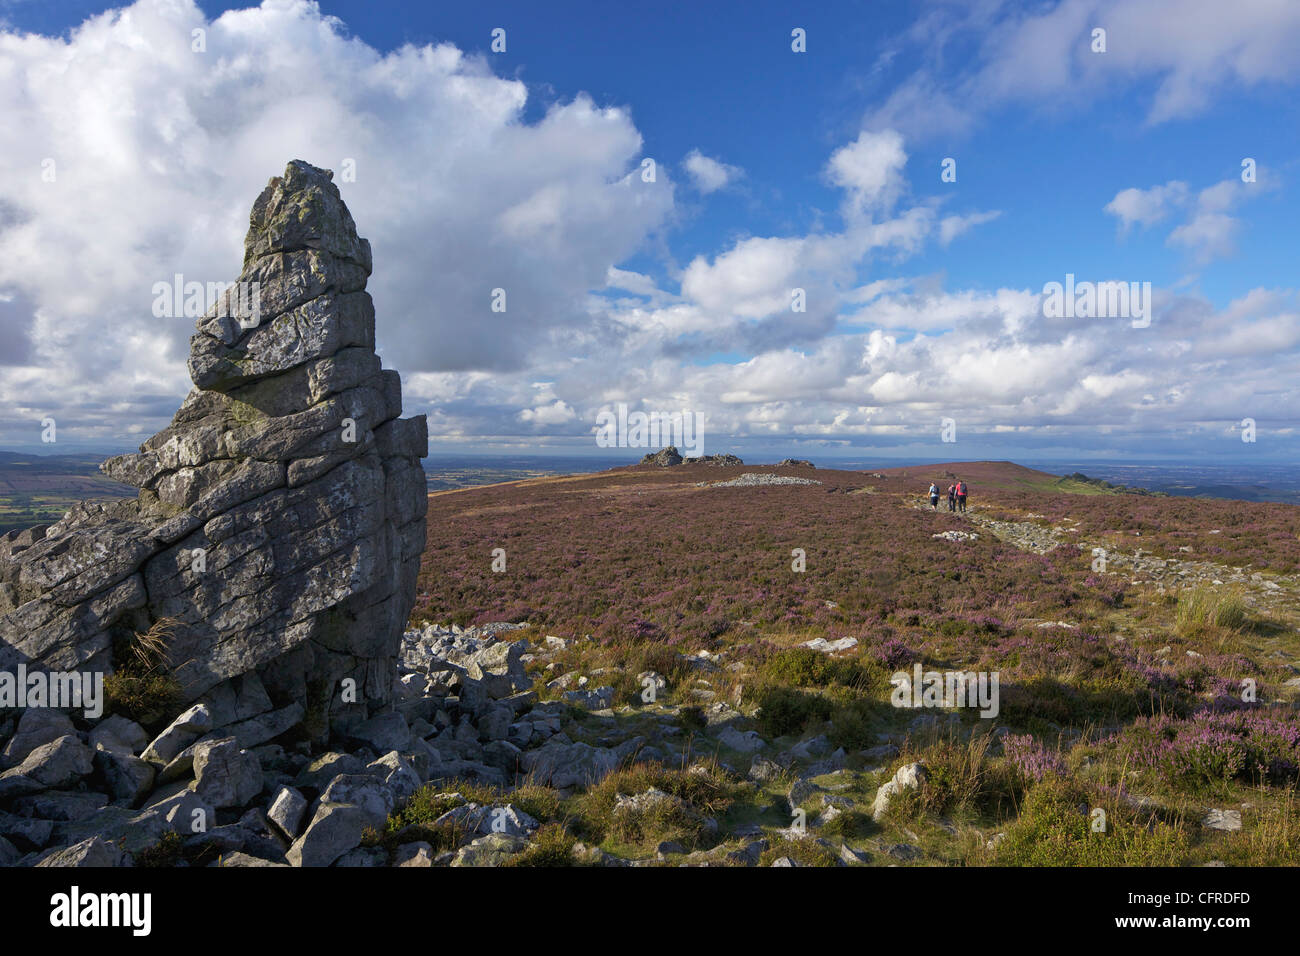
x=709, y=175
x=139, y=159
x=1209, y=231
x=870, y=170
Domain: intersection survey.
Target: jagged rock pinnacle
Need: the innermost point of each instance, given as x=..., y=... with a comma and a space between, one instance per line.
x=280, y=518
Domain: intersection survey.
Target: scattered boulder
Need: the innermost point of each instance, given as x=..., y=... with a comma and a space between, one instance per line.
x=180, y=733
x=225, y=775
x=36, y=727
x=413, y=855
x=602, y=698
x=119, y=735
x=1228, y=820
x=59, y=764
x=490, y=850
x=286, y=811
x=908, y=777
x=334, y=830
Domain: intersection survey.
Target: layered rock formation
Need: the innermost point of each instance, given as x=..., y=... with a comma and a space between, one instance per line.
x=281, y=516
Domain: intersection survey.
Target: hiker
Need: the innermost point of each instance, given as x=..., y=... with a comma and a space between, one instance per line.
x=961, y=496
x=934, y=496
x=952, y=497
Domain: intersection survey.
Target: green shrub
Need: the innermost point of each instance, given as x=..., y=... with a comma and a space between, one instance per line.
x=551, y=845
x=784, y=710
x=806, y=852
x=1055, y=828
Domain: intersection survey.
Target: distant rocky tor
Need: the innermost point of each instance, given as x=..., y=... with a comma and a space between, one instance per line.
x=668, y=456
x=280, y=517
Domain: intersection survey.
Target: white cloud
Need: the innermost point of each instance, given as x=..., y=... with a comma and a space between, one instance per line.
x=707, y=174
x=1147, y=206
x=159, y=152
x=1188, y=52
x=870, y=170
x=1208, y=232
x=950, y=227
x=557, y=413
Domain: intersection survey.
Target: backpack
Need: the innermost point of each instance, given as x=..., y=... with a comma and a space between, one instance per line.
x=961, y=487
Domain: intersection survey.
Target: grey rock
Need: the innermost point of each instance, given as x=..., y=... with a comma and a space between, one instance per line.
x=60, y=805
x=363, y=856
x=56, y=765
x=25, y=832
x=365, y=793
x=120, y=735
x=183, y=811
x=180, y=733
x=490, y=850
x=92, y=852
x=562, y=765
x=746, y=742
x=905, y=852
x=289, y=468
x=225, y=775
x=256, y=731
x=602, y=698
x=286, y=811
x=241, y=859
x=382, y=733
x=1229, y=820
x=907, y=777
x=852, y=856
x=326, y=767
x=334, y=830
x=413, y=855
x=128, y=778
x=37, y=726
x=398, y=775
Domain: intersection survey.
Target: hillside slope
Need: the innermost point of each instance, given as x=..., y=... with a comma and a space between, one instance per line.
x=1129, y=634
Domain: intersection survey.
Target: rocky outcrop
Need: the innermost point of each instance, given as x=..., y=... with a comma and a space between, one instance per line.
x=280, y=517
x=664, y=457
x=669, y=456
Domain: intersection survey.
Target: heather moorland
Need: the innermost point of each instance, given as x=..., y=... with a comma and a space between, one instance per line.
x=1145, y=647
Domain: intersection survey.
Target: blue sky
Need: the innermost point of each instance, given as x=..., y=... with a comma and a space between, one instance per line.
x=818, y=169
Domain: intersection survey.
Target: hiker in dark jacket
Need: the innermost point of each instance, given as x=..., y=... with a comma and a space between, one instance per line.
x=952, y=497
